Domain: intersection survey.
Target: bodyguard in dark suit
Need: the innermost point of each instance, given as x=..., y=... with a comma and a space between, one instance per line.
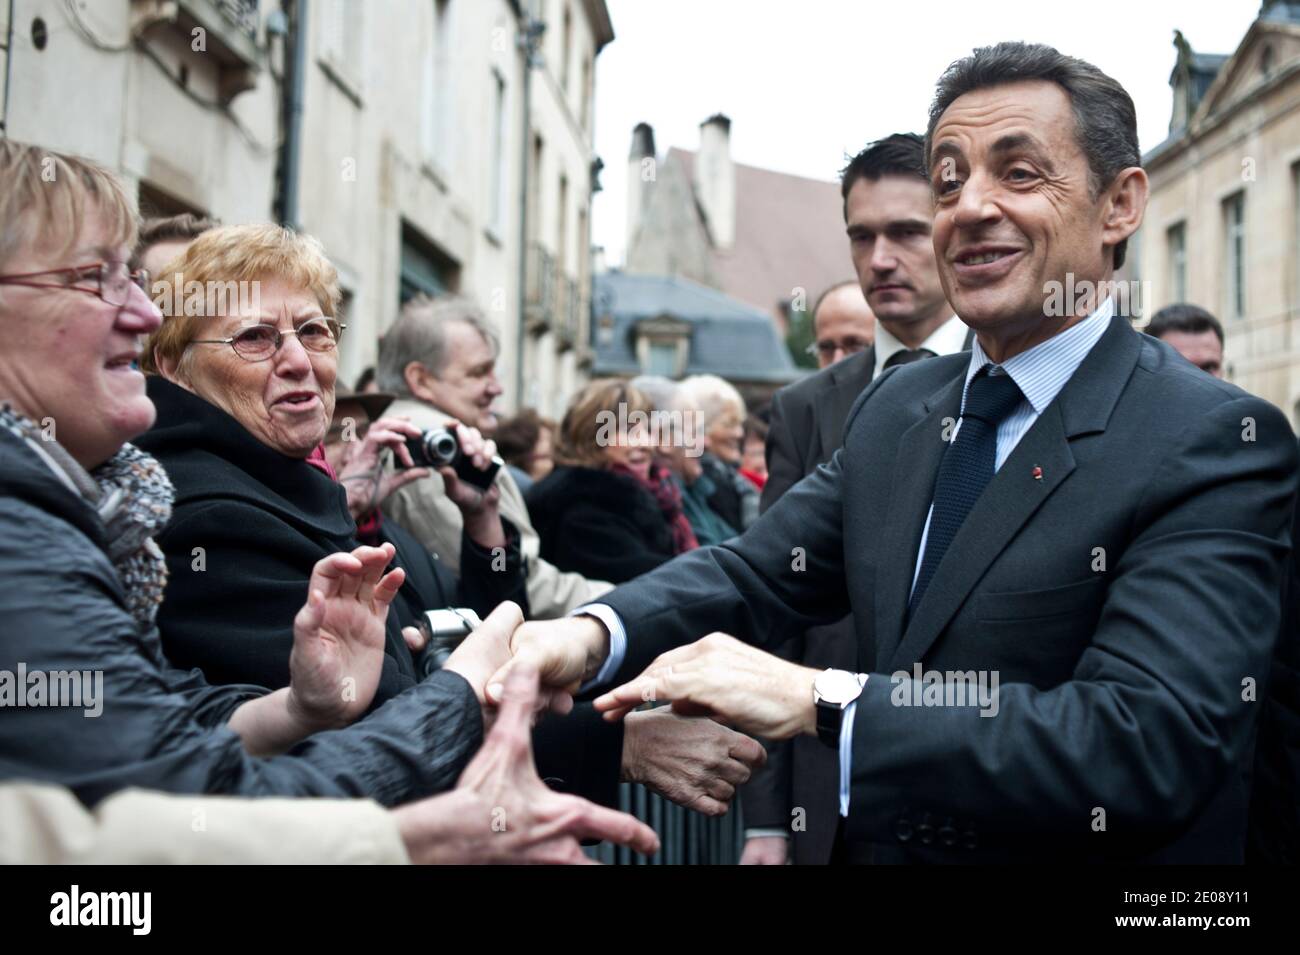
x=887, y=215
x=1064, y=549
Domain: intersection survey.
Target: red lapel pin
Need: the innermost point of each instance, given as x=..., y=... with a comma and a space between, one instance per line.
x=1037, y=472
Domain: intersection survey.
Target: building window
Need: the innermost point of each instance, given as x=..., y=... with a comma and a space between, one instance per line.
x=497, y=199
x=341, y=46
x=425, y=268
x=1295, y=226
x=535, y=189
x=1234, y=229
x=586, y=94
x=562, y=227
x=439, y=98
x=662, y=359
x=156, y=203
x=566, y=53
x=1176, y=242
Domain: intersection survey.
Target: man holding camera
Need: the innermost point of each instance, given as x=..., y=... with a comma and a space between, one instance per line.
x=439, y=358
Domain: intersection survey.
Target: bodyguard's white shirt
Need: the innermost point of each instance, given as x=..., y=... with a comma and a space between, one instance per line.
x=1041, y=373
x=948, y=339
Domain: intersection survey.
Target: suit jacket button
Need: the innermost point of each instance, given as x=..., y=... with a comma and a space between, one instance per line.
x=968, y=839
x=903, y=829
x=925, y=832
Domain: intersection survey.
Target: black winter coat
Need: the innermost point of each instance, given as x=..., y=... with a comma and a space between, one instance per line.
x=599, y=524
x=63, y=609
x=247, y=527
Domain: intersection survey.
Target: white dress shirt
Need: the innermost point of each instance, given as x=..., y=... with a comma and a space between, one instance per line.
x=948, y=339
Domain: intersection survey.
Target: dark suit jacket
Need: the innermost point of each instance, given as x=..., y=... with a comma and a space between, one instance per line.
x=803, y=774
x=1120, y=729
x=1274, y=835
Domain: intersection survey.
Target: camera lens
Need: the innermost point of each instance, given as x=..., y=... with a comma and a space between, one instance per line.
x=442, y=445
x=434, y=448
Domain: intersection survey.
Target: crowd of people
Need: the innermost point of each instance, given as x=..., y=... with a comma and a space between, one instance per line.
x=225, y=542
x=451, y=659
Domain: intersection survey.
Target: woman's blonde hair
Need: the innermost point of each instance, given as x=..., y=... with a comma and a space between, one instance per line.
x=234, y=254
x=592, y=417
x=45, y=197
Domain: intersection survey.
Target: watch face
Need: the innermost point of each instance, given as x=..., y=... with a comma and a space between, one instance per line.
x=838, y=687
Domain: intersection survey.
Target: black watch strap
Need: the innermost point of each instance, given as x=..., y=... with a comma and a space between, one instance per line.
x=830, y=718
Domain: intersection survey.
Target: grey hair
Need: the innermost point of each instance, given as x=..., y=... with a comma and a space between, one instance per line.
x=420, y=334
x=661, y=391
x=1105, y=120
x=710, y=395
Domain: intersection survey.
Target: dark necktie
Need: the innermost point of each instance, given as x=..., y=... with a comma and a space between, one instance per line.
x=906, y=356
x=966, y=468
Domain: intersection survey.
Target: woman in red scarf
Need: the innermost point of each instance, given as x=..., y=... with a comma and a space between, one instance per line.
x=609, y=510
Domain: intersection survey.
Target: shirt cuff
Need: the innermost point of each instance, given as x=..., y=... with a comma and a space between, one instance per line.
x=766, y=834
x=617, y=642
x=846, y=756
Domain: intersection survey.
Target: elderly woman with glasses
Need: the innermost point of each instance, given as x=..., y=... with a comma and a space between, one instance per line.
x=245, y=390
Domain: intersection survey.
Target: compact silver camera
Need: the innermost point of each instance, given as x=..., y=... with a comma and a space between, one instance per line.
x=439, y=447
x=444, y=629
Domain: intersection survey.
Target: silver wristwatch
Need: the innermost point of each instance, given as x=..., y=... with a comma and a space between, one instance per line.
x=833, y=691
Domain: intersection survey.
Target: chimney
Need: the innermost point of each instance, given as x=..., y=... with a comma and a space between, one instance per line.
x=639, y=173
x=715, y=180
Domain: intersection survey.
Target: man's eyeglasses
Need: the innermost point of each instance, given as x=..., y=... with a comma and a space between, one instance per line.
x=113, y=280
x=260, y=342
x=827, y=349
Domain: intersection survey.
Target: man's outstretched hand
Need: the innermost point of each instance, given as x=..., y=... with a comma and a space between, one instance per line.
x=501, y=811
x=727, y=680
x=564, y=653
x=695, y=762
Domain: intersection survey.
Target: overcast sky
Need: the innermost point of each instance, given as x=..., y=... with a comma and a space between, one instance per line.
x=806, y=82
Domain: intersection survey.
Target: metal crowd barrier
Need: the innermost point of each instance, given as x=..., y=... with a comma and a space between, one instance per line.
x=685, y=837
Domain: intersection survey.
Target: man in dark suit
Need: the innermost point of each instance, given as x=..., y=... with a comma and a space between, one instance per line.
x=1063, y=549
x=887, y=215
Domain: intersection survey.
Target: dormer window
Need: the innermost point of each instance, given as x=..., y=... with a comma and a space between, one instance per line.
x=662, y=345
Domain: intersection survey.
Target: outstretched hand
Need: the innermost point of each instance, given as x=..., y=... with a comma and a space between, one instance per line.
x=338, y=636
x=727, y=680
x=501, y=811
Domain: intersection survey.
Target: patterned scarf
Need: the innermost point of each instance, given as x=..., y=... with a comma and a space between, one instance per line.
x=664, y=490
x=133, y=497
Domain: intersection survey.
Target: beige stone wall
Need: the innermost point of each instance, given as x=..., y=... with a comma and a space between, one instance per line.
x=1255, y=150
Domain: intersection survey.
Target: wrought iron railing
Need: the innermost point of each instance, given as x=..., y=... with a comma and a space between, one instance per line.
x=242, y=13
x=539, y=298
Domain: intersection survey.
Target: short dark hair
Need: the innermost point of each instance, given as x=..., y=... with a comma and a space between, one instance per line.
x=1105, y=121
x=1183, y=317
x=902, y=154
